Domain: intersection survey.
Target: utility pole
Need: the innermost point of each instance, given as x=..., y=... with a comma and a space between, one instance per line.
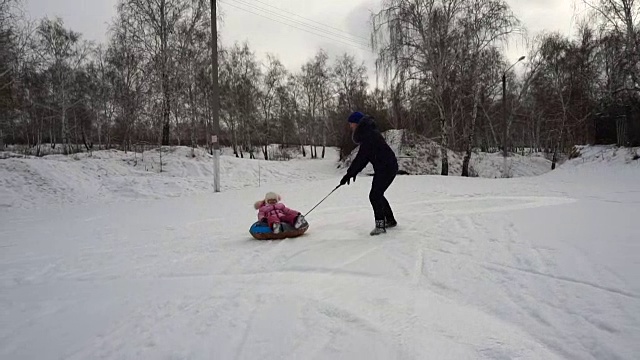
x=215, y=138
x=505, y=133
x=504, y=115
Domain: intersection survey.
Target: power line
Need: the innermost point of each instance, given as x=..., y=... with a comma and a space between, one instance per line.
x=311, y=20
x=352, y=44
x=347, y=37
x=280, y=16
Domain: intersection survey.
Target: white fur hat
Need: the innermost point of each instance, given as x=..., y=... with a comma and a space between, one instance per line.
x=272, y=196
x=269, y=196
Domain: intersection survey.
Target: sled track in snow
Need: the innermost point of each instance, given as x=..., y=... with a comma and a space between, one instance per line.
x=493, y=267
x=471, y=206
x=509, y=203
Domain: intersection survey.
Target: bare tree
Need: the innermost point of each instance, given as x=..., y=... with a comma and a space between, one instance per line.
x=153, y=25
x=62, y=53
x=350, y=82
x=274, y=76
x=101, y=94
x=621, y=17
x=7, y=45
x=485, y=23
x=296, y=92
x=193, y=54
x=7, y=63
x=315, y=80
x=126, y=76
x=432, y=46
x=239, y=76
x=417, y=43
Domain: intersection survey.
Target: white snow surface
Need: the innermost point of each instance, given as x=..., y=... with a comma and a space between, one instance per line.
x=539, y=267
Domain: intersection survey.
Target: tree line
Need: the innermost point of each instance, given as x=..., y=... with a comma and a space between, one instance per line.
x=446, y=77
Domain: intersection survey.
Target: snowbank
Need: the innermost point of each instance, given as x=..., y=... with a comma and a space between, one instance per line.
x=282, y=153
x=603, y=155
x=111, y=175
x=424, y=158
x=593, y=167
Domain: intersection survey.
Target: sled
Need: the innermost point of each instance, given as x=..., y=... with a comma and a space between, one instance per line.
x=261, y=231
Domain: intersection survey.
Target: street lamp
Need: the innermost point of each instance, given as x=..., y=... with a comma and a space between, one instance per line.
x=504, y=114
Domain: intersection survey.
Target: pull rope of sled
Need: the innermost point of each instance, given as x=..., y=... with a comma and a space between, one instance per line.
x=321, y=201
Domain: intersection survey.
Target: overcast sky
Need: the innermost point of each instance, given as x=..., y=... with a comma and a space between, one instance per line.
x=347, y=19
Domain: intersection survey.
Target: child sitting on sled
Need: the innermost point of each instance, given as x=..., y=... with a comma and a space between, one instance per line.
x=273, y=212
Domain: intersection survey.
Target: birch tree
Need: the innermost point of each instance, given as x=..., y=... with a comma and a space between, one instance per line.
x=418, y=43
x=316, y=80
x=484, y=24
x=273, y=79
x=62, y=53
x=153, y=25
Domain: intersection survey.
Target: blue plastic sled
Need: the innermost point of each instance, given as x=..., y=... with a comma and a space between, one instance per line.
x=261, y=231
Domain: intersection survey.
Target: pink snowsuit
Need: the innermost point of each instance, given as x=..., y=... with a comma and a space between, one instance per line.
x=276, y=213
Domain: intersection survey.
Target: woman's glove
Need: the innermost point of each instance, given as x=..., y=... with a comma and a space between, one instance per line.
x=347, y=179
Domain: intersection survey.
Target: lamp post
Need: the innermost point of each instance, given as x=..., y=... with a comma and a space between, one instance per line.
x=504, y=114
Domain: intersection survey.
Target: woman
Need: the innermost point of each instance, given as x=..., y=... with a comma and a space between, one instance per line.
x=375, y=150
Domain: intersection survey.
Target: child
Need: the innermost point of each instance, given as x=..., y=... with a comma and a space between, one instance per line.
x=273, y=212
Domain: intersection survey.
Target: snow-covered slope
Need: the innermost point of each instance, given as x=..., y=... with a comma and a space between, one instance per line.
x=111, y=175
x=423, y=157
x=526, y=268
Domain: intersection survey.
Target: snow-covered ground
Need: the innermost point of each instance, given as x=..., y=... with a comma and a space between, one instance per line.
x=526, y=268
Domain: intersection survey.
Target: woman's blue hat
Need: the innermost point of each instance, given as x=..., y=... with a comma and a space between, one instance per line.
x=355, y=117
